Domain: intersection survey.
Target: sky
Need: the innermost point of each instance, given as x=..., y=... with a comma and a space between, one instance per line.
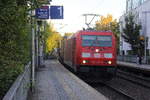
x=74, y=9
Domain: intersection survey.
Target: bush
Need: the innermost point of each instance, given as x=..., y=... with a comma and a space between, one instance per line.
x=14, y=42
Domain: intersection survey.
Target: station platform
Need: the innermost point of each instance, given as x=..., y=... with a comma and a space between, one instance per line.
x=54, y=82
x=142, y=67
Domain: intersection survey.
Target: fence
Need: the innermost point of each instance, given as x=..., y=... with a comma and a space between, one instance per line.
x=19, y=89
x=132, y=59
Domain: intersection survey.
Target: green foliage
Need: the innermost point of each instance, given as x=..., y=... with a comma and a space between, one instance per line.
x=132, y=34
x=14, y=41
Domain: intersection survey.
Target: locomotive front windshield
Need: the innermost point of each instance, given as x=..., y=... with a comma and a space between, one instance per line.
x=97, y=40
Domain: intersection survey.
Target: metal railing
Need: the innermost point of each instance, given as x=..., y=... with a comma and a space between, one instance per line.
x=132, y=59
x=19, y=89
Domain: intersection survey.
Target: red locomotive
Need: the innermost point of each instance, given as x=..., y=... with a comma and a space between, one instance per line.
x=87, y=50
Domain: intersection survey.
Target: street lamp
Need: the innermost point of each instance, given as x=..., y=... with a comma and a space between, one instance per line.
x=121, y=39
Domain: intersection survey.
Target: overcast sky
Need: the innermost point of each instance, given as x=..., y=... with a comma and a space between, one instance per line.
x=74, y=9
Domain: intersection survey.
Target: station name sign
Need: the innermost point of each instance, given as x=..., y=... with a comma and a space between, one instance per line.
x=52, y=12
x=42, y=13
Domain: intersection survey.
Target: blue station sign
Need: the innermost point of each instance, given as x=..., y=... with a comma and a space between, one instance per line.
x=42, y=13
x=56, y=12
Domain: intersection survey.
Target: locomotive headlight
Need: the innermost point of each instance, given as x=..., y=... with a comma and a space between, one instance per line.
x=109, y=62
x=84, y=61
x=97, y=50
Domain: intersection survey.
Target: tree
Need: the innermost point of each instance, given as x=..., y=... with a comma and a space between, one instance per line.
x=68, y=34
x=131, y=34
x=51, y=38
x=52, y=42
x=14, y=40
x=108, y=23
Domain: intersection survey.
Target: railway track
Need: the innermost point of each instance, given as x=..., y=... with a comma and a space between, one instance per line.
x=139, y=80
x=119, y=91
x=112, y=92
x=133, y=84
x=127, y=86
x=97, y=84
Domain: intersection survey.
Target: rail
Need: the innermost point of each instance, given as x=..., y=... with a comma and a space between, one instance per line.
x=132, y=59
x=19, y=89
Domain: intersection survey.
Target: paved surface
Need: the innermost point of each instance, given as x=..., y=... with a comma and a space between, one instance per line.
x=134, y=65
x=54, y=82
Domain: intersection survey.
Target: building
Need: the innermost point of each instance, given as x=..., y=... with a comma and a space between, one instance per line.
x=141, y=11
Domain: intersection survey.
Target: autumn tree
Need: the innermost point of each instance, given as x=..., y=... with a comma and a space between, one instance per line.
x=51, y=38
x=52, y=41
x=108, y=23
x=68, y=34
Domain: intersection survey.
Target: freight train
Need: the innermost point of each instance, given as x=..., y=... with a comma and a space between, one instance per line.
x=87, y=51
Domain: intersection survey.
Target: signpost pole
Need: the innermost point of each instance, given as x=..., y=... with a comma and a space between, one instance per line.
x=41, y=13
x=33, y=49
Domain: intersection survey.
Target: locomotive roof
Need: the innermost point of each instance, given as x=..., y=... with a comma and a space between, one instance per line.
x=94, y=31
x=83, y=31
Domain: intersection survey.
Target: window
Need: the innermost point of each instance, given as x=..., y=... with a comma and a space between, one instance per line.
x=97, y=40
x=131, y=4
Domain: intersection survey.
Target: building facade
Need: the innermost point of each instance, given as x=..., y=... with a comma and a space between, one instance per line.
x=141, y=11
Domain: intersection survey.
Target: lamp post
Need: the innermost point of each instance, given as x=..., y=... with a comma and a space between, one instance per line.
x=121, y=39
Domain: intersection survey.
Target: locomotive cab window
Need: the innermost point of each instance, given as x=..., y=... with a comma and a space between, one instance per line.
x=97, y=40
